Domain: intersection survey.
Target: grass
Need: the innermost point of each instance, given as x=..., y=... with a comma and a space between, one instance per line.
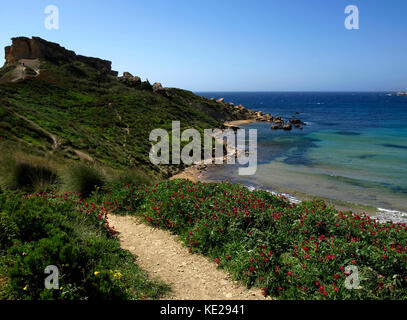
x=31, y=174
x=83, y=179
x=105, y=119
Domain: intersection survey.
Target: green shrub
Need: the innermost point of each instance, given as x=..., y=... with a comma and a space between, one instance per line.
x=83, y=179
x=8, y=230
x=27, y=174
x=291, y=251
x=134, y=177
x=39, y=230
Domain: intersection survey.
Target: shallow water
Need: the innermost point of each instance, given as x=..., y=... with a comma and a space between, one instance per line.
x=353, y=148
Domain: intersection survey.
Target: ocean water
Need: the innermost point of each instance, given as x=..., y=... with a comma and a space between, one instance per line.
x=353, y=148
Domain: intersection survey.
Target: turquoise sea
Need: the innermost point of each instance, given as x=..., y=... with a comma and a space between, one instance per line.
x=353, y=148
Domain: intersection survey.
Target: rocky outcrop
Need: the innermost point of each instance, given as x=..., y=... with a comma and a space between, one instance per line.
x=157, y=87
x=37, y=48
x=280, y=124
x=127, y=75
x=130, y=81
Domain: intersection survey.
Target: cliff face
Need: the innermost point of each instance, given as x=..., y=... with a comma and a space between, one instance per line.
x=37, y=48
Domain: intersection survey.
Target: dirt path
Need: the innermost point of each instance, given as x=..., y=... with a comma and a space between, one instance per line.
x=191, y=276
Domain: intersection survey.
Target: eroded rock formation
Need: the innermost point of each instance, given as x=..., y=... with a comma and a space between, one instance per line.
x=37, y=48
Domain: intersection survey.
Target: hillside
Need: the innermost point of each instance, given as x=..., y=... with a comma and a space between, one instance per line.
x=54, y=103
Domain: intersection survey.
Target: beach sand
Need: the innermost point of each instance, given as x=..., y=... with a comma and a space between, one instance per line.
x=238, y=122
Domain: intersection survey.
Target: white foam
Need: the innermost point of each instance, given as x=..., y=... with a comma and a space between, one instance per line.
x=383, y=215
x=391, y=215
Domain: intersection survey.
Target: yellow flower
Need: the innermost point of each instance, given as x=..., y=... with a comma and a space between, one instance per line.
x=26, y=288
x=96, y=273
x=24, y=254
x=61, y=288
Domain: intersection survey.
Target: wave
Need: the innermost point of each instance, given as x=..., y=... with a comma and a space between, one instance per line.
x=382, y=215
x=391, y=215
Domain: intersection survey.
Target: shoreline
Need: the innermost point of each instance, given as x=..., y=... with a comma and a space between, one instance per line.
x=238, y=122
x=198, y=172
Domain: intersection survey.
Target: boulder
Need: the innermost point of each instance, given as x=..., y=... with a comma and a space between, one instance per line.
x=157, y=87
x=127, y=75
x=221, y=100
x=287, y=127
x=268, y=117
x=296, y=121
x=276, y=127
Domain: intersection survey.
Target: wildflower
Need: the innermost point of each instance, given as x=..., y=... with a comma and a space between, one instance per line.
x=96, y=273
x=26, y=288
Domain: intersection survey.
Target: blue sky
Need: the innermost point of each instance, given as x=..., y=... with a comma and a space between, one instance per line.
x=230, y=45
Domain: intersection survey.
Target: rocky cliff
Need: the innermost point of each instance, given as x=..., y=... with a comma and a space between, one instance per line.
x=37, y=48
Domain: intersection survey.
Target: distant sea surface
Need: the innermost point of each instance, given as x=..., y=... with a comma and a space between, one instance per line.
x=353, y=148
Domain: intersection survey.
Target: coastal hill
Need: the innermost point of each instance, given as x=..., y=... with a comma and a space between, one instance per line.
x=57, y=104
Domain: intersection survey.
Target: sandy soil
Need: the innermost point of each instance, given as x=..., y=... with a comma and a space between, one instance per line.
x=191, y=276
x=238, y=122
x=193, y=173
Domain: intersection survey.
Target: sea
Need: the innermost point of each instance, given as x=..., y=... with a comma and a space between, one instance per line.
x=352, y=152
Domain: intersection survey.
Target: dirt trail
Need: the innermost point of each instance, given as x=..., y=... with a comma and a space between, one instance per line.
x=191, y=276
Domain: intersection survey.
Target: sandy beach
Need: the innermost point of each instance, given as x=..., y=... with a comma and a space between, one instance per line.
x=238, y=122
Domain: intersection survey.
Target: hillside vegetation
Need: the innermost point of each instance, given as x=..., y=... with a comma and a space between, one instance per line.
x=70, y=129
x=72, y=111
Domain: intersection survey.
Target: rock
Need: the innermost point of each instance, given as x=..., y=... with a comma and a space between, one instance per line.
x=157, y=87
x=37, y=48
x=287, y=127
x=29, y=71
x=276, y=127
x=267, y=117
x=221, y=100
x=130, y=81
x=295, y=121
x=127, y=75
x=212, y=99
x=278, y=121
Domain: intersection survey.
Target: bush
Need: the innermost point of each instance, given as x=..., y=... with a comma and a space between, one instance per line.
x=27, y=173
x=83, y=179
x=291, y=251
x=134, y=177
x=39, y=230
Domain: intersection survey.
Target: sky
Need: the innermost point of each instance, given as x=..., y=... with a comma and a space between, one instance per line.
x=230, y=45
